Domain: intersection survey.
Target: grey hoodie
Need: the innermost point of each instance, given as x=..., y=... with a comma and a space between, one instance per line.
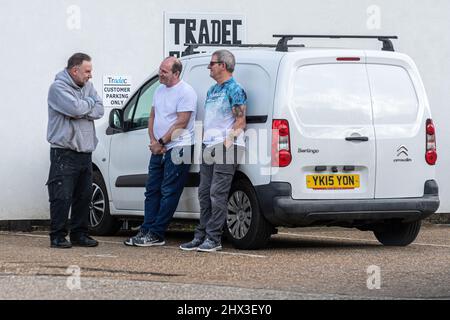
x=71, y=114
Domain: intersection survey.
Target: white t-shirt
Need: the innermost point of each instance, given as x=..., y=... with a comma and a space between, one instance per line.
x=167, y=102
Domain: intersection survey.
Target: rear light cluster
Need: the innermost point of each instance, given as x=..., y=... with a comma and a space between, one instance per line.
x=431, y=154
x=281, y=145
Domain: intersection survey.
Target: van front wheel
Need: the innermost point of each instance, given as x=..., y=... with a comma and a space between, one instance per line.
x=398, y=234
x=246, y=228
x=101, y=223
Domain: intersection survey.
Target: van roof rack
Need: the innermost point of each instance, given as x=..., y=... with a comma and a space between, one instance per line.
x=283, y=45
x=190, y=47
x=283, y=42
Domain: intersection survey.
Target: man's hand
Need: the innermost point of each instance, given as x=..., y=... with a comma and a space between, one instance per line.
x=156, y=148
x=228, y=143
x=91, y=100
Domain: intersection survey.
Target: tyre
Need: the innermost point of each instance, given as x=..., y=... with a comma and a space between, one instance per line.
x=398, y=234
x=246, y=228
x=101, y=223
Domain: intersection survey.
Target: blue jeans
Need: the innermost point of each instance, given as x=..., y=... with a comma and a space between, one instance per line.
x=164, y=186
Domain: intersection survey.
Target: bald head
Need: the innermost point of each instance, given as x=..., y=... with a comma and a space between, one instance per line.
x=170, y=71
x=175, y=64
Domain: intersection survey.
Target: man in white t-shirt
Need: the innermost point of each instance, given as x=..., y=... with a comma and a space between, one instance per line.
x=171, y=132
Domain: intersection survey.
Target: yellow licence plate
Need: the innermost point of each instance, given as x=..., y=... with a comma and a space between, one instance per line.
x=332, y=181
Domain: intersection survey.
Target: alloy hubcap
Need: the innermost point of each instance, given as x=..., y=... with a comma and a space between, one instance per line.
x=239, y=215
x=97, y=206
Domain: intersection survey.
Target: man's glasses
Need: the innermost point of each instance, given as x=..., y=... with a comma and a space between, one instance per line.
x=214, y=62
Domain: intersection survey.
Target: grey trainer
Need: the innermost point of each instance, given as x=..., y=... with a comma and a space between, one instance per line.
x=131, y=241
x=149, y=240
x=209, y=246
x=192, y=245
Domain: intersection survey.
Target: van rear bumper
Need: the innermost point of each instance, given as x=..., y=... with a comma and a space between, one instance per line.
x=280, y=209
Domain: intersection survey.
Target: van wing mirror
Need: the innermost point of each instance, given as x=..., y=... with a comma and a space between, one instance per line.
x=116, y=120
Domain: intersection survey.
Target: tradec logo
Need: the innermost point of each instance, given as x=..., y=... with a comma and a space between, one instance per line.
x=211, y=29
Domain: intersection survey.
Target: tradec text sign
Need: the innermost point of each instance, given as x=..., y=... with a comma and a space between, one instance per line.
x=116, y=89
x=201, y=28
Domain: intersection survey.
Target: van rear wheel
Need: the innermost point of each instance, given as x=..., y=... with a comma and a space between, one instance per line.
x=398, y=234
x=246, y=228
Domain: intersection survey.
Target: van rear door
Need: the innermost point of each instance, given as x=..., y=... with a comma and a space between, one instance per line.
x=400, y=115
x=332, y=137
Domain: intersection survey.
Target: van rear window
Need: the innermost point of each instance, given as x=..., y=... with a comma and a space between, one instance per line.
x=332, y=94
x=393, y=95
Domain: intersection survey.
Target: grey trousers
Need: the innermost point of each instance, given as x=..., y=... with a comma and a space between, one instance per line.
x=216, y=176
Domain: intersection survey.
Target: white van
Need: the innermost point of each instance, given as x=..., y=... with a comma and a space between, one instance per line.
x=335, y=137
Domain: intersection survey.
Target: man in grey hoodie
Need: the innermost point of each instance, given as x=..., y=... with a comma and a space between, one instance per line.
x=73, y=105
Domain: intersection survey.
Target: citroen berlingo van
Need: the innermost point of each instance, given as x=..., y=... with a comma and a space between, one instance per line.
x=335, y=137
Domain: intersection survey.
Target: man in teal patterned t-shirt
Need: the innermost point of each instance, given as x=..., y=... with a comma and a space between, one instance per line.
x=223, y=146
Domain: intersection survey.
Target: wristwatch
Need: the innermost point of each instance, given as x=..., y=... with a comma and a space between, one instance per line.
x=161, y=142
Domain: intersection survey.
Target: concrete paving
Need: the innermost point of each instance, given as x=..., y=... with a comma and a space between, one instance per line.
x=308, y=263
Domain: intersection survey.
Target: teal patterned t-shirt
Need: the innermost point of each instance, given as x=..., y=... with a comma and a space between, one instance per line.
x=219, y=118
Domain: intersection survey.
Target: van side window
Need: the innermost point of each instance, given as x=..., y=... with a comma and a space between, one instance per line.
x=257, y=84
x=144, y=105
x=198, y=77
x=254, y=79
x=393, y=96
x=129, y=110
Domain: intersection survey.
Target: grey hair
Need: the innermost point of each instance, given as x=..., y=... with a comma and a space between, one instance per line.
x=227, y=58
x=77, y=60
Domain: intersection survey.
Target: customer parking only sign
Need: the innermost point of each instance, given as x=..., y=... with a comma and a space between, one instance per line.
x=116, y=89
x=201, y=28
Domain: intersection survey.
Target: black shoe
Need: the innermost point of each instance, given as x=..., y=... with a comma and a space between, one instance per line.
x=84, y=241
x=60, y=243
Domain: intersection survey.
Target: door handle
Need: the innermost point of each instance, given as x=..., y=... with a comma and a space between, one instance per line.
x=357, y=139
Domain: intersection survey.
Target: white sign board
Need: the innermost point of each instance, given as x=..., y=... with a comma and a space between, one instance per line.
x=116, y=89
x=201, y=28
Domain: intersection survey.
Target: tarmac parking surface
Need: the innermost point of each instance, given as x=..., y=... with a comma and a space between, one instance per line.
x=308, y=263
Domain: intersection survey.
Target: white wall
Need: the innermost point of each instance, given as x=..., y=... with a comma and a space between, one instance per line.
x=126, y=37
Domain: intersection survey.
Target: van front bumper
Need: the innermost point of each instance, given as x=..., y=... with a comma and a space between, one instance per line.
x=280, y=209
